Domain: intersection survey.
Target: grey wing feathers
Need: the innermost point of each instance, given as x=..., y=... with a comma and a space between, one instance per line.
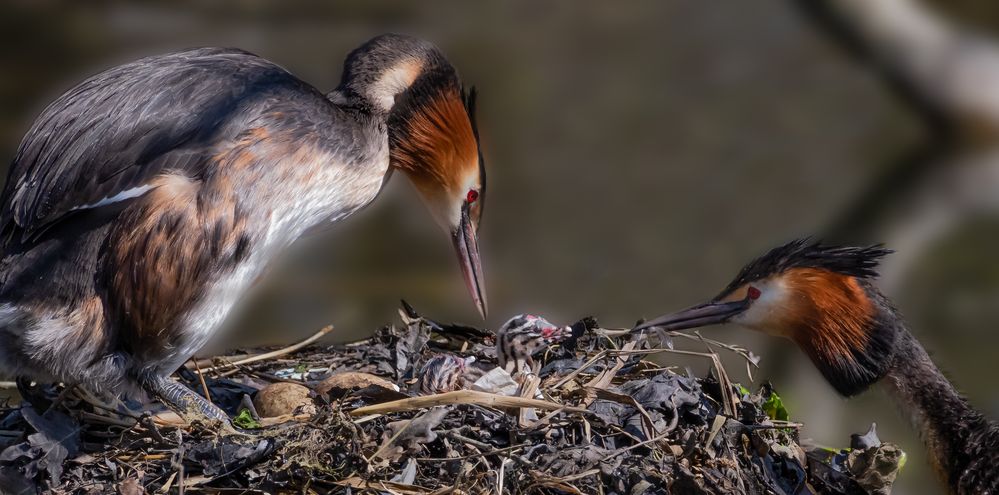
x=122, y=127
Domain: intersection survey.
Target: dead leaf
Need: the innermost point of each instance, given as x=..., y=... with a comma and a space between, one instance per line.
x=130, y=486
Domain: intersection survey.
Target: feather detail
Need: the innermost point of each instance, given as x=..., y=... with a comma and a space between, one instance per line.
x=834, y=319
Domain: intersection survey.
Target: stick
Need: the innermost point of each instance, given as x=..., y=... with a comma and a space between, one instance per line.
x=384, y=486
x=729, y=398
x=460, y=397
x=204, y=386
x=485, y=446
x=637, y=445
x=499, y=477
x=574, y=477
x=607, y=375
x=744, y=353
x=527, y=391
x=505, y=450
x=600, y=355
x=716, y=426
x=180, y=467
x=388, y=443
x=267, y=355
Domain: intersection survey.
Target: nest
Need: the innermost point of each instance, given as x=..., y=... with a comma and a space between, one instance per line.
x=598, y=417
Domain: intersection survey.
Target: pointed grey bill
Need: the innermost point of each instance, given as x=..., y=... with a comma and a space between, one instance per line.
x=711, y=313
x=466, y=246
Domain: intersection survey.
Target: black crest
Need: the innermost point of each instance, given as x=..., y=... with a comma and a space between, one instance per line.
x=470, y=98
x=807, y=253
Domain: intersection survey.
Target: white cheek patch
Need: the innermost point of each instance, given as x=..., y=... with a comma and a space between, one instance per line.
x=470, y=182
x=763, y=313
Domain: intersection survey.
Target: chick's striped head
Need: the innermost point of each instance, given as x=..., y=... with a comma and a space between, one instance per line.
x=526, y=335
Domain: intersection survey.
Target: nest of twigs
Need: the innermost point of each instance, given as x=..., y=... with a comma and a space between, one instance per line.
x=598, y=417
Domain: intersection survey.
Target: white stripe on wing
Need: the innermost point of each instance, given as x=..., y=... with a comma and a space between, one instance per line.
x=127, y=194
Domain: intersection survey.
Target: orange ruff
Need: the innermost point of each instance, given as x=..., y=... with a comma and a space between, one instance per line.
x=831, y=313
x=440, y=144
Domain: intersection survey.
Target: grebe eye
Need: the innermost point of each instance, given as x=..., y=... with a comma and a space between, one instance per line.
x=753, y=293
x=472, y=196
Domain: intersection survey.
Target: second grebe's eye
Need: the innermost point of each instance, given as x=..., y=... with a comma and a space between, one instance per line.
x=753, y=293
x=472, y=196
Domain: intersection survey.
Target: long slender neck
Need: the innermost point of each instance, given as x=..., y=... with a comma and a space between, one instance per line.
x=955, y=434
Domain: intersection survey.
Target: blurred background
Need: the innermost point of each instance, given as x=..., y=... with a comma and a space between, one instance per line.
x=638, y=154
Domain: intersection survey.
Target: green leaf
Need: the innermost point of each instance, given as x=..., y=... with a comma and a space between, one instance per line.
x=301, y=368
x=245, y=420
x=774, y=407
x=743, y=391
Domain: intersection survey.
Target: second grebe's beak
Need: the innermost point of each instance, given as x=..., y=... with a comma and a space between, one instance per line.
x=711, y=313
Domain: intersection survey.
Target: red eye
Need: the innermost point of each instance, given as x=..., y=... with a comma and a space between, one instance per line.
x=753, y=293
x=472, y=197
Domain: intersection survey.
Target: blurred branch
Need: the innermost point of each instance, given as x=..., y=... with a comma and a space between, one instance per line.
x=861, y=220
x=847, y=22
x=944, y=71
x=949, y=76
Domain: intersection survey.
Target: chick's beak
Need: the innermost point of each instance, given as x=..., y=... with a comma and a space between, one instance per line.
x=697, y=316
x=466, y=246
